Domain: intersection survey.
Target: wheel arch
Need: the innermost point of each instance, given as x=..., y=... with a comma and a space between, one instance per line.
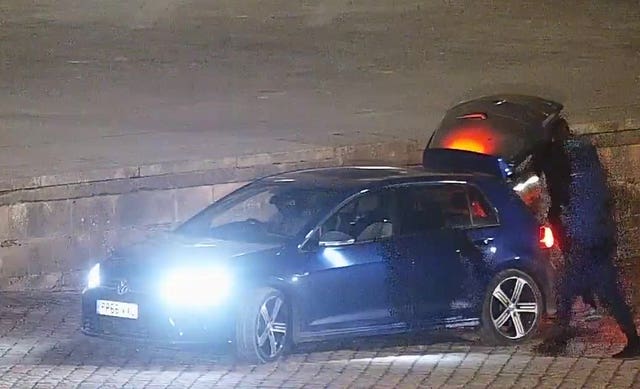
x=288, y=290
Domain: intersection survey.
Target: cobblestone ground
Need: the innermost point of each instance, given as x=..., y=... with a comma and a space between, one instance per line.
x=41, y=347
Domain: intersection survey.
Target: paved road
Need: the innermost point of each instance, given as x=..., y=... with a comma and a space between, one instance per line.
x=40, y=347
x=90, y=84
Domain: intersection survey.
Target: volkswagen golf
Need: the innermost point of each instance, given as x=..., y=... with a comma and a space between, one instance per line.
x=332, y=253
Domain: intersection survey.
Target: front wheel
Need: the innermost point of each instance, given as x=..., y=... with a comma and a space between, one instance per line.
x=512, y=308
x=262, y=330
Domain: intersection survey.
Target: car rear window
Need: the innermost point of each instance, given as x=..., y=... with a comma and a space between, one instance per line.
x=428, y=207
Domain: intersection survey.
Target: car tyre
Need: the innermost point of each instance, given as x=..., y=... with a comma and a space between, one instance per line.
x=262, y=329
x=512, y=309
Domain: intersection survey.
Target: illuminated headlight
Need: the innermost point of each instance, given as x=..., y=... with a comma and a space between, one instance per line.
x=93, y=280
x=196, y=287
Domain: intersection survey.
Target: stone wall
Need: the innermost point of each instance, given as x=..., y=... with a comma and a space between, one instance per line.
x=623, y=163
x=619, y=147
x=50, y=234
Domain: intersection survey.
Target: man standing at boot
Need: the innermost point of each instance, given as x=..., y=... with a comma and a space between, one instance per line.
x=581, y=214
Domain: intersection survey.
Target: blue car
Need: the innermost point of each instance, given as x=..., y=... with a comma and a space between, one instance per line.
x=331, y=253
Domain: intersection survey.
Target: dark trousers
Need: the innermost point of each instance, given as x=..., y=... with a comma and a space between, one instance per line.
x=589, y=271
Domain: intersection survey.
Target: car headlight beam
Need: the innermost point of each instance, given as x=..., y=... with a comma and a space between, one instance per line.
x=196, y=287
x=93, y=279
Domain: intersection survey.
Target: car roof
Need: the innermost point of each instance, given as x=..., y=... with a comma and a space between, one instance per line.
x=367, y=177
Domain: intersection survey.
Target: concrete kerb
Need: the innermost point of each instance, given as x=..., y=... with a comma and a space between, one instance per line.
x=52, y=228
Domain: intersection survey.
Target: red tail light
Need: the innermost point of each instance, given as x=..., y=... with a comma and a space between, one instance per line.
x=474, y=116
x=546, y=237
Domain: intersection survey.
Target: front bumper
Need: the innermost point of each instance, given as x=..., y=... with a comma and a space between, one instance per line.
x=157, y=323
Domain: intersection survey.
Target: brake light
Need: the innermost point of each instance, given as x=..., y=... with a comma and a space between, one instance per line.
x=474, y=116
x=546, y=237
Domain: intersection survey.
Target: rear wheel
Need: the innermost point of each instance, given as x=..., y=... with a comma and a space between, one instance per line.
x=512, y=308
x=262, y=331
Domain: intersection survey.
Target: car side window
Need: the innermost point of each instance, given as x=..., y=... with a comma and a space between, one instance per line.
x=429, y=207
x=364, y=219
x=482, y=213
x=455, y=203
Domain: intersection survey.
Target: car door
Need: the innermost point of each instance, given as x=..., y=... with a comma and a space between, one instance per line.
x=432, y=249
x=479, y=243
x=346, y=283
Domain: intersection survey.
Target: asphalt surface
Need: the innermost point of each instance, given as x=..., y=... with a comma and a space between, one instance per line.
x=89, y=84
x=41, y=347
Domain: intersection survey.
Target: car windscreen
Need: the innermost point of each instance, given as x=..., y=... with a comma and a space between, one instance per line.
x=266, y=213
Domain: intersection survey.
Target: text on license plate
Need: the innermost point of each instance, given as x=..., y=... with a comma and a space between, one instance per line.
x=117, y=309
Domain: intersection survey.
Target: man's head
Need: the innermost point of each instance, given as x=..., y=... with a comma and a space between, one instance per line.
x=287, y=203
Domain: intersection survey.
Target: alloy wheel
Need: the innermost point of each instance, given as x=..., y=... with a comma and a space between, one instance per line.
x=514, y=308
x=271, y=326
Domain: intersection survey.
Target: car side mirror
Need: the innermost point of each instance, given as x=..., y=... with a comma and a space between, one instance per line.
x=335, y=239
x=314, y=241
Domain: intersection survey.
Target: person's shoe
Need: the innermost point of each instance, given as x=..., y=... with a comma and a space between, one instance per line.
x=631, y=350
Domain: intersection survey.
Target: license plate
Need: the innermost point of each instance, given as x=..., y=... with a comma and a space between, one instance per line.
x=117, y=309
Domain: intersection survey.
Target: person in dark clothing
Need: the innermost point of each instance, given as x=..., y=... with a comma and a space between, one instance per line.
x=581, y=215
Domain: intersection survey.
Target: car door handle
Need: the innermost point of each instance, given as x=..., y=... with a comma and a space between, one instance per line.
x=483, y=242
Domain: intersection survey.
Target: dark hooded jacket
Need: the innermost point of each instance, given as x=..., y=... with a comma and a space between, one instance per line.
x=581, y=207
x=589, y=216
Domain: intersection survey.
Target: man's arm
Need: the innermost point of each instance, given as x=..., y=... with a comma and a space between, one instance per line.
x=540, y=160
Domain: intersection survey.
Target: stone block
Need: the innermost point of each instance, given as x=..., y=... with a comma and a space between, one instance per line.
x=27, y=259
x=40, y=259
x=124, y=237
x=77, y=252
x=622, y=162
x=145, y=208
x=92, y=214
x=88, y=176
x=17, y=223
x=596, y=127
x=14, y=261
x=190, y=201
x=376, y=153
x=246, y=161
x=100, y=248
x=414, y=157
x=632, y=124
x=307, y=155
x=323, y=153
x=4, y=223
x=221, y=190
x=173, y=167
x=38, y=220
x=627, y=200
